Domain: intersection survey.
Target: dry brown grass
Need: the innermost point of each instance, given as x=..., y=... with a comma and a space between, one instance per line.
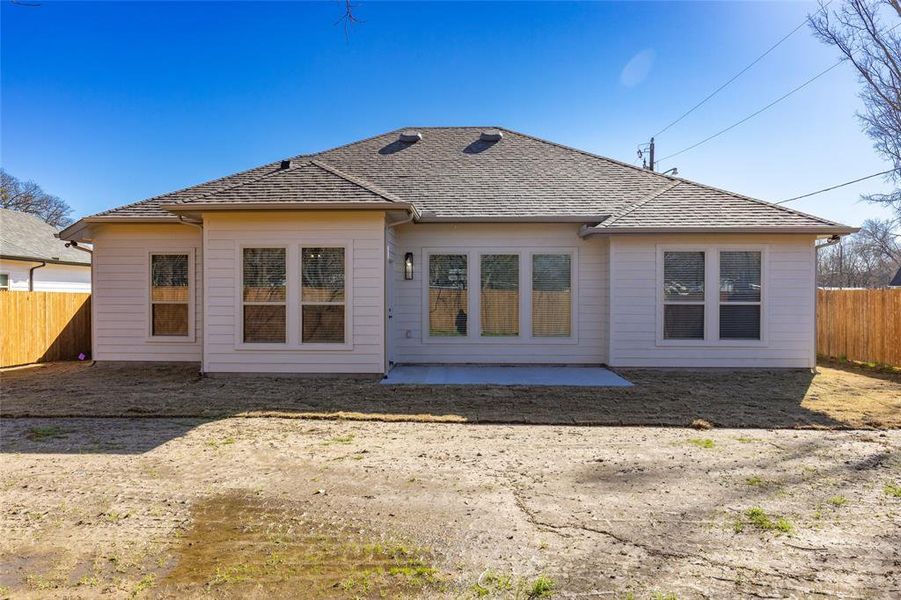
x=838, y=396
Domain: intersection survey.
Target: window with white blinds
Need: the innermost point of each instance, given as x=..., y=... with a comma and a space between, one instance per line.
x=740, y=295
x=448, y=295
x=551, y=295
x=264, y=295
x=170, y=295
x=322, y=297
x=499, y=299
x=683, y=295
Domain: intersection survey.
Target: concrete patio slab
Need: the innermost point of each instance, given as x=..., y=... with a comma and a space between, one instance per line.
x=502, y=375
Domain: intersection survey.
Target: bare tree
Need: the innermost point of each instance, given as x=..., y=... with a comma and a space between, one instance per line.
x=858, y=30
x=868, y=258
x=27, y=196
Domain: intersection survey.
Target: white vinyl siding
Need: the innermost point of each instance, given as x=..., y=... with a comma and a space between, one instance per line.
x=362, y=236
x=120, y=302
x=787, y=319
x=50, y=278
x=587, y=343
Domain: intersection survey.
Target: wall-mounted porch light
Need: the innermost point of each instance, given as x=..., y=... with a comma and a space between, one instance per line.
x=408, y=265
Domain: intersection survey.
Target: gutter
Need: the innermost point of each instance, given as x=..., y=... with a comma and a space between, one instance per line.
x=833, y=240
x=587, y=230
x=31, y=274
x=47, y=260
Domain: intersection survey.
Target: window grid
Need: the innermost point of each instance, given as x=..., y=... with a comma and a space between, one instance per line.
x=680, y=291
x=329, y=257
x=264, y=300
x=170, y=290
x=746, y=284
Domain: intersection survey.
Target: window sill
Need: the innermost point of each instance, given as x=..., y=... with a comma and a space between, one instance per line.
x=166, y=339
x=295, y=347
x=712, y=343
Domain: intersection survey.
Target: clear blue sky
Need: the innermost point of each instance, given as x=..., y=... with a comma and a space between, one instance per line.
x=108, y=103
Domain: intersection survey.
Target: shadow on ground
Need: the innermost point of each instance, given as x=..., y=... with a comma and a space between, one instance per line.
x=771, y=399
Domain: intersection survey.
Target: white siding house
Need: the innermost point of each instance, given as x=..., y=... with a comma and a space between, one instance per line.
x=453, y=246
x=32, y=258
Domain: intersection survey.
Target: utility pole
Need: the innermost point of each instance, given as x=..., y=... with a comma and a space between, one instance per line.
x=652, y=154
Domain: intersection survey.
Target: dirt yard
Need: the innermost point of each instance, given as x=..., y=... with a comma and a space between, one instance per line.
x=834, y=398
x=223, y=506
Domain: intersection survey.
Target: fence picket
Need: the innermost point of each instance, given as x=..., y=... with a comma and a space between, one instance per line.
x=43, y=327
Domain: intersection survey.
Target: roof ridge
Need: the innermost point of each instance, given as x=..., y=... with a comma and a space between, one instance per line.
x=763, y=202
x=241, y=183
x=358, y=181
x=635, y=206
x=590, y=154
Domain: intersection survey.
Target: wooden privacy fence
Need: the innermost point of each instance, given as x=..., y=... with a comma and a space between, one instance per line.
x=43, y=326
x=862, y=325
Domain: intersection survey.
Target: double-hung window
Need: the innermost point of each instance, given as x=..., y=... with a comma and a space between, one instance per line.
x=322, y=297
x=170, y=294
x=683, y=295
x=448, y=295
x=740, y=295
x=499, y=298
x=4, y=281
x=264, y=295
x=551, y=295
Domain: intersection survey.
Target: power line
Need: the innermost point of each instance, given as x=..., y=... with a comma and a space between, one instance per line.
x=739, y=74
x=828, y=189
x=754, y=114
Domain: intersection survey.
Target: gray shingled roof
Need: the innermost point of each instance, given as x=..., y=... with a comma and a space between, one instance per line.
x=451, y=174
x=690, y=205
x=26, y=236
x=303, y=181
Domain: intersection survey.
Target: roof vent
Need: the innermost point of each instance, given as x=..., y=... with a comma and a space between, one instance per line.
x=286, y=164
x=409, y=136
x=491, y=135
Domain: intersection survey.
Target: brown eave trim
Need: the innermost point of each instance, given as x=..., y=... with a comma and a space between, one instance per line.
x=514, y=219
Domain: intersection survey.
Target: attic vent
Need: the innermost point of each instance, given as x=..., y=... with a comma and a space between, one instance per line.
x=491, y=135
x=286, y=164
x=409, y=136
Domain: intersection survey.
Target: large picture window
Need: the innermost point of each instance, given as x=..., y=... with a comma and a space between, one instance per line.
x=683, y=295
x=448, y=295
x=322, y=297
x=551, y=295
x=740, y=295
x=170, y=295
x=500, y=295
x=264, y=295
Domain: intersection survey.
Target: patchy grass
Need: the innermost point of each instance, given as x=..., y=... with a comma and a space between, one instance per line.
x=541, y=587
x=758, y=518
x=41, y=434
x=892, y=491
x=218, y=443
x=701, y=442
x=146, y=583
x=238, y=543
x=837, y=501
x=339, y=439
x=663, y=596
x=755, y=480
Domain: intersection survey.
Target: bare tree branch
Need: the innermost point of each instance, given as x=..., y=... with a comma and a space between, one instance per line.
x=349, y=18
x=856, y=28
x=27, y=196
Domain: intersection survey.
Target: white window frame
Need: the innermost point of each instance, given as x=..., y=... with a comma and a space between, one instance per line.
x=301, y=303
x=712, y=295
x=474, y=317
x=663, y=302
x=293, y=319
x=8, y=285
x=501, y=338
x=180, y=339
x=719, y=302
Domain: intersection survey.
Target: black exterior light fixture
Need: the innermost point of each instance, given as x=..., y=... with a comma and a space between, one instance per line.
x=408, y=265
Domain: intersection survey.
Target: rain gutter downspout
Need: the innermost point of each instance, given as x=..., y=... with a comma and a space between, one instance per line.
x=831, y=241
x=31, y=274
x=387, y=364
